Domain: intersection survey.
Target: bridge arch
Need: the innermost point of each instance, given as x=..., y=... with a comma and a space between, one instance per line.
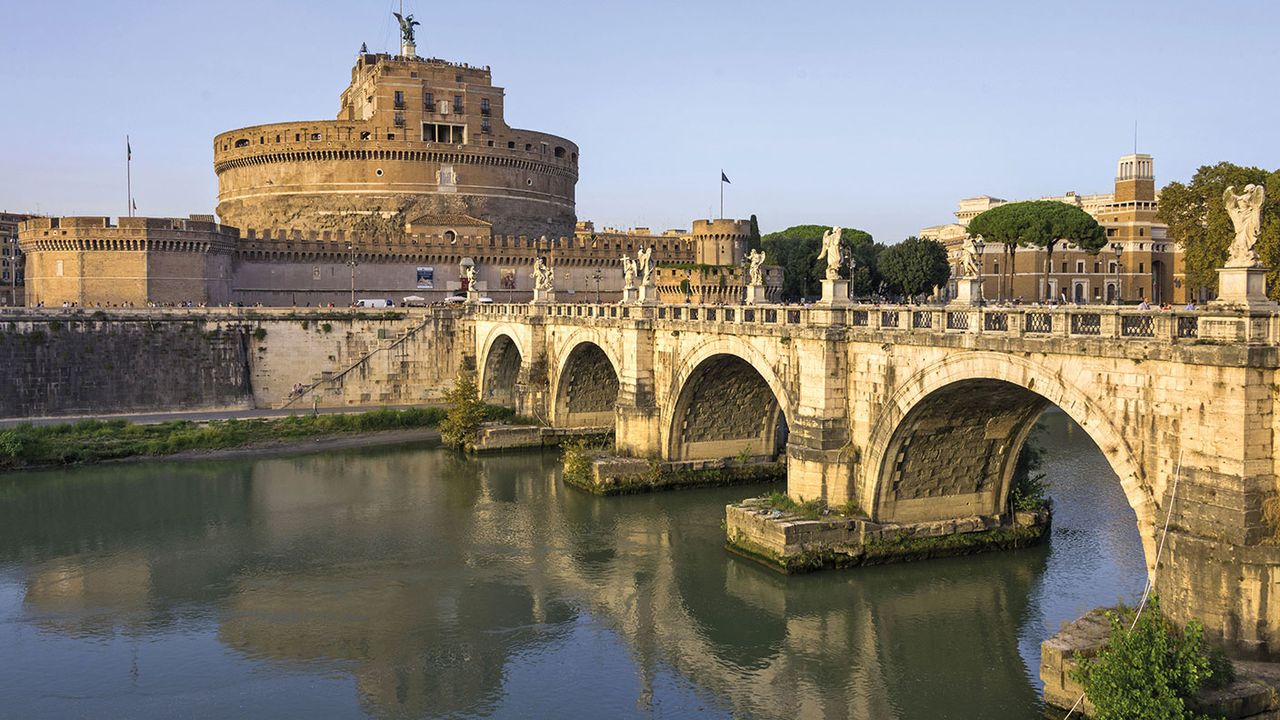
x=585, y=387
x=501, y=360
x=948, y=440
x=725, y=399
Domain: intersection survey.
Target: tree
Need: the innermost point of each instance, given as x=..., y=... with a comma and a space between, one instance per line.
x=753, y=240
x=1047, y=222
x=915, y=266
x=464, y=412
x=1198, y=221
x=796, y=251
x=1001, y=225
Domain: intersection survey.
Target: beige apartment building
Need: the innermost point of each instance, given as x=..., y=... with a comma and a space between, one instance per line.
x=1139, y=262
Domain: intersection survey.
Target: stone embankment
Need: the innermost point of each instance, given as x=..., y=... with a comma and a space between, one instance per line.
x=121, y=360
x=612, y=475
x=495, y=438
x=791, y=542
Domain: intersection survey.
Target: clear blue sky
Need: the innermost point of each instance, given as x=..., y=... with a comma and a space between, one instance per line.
x=877, y=115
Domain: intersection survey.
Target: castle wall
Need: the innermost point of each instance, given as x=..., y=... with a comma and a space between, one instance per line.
x=99, y=362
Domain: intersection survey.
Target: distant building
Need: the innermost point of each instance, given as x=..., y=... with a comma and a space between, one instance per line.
x=11, y=262
x=1148, y=266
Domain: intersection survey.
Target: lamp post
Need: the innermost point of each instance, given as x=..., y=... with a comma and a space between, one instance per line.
x=853, y=274
x=596, y=276
x=1118, y=249
x=351, y=261
x=978, y=247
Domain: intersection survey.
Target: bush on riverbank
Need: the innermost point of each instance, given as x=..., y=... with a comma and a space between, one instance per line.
x=90, y=441
x=464, y=413
x=1153, y=671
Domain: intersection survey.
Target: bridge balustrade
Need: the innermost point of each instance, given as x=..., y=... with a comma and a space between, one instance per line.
x=1188, y=326
x=1038, y=322
x=888, y=318
x=1086, y=324
x=957, y=320
x=1137, y=326
x=997, y=321
x=921, y=319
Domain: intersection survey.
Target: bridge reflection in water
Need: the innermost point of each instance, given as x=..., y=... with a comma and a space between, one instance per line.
x=411, y=583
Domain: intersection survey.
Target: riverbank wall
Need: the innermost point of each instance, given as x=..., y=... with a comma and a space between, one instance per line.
x=91, y=362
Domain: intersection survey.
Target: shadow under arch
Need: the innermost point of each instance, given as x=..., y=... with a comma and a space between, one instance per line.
x=948, y=441
x=586, y=387
x=725, y=407
x=500, y=372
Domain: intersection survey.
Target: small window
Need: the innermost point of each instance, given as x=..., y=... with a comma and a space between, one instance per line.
x=457, y=103
x=364, y=135
x=297, y=137
x=378, y=172
x=1142, y=267
x=457, y=78
x=399, y=98
x=242, y=142
x=1064, y=266
x=58, y=269
x=528, y=147
x=429, y=101
x=1142, y=232
x=315, y=136
x=1079, y=266
x=511, y=145
x=391, y=136
x=559, y=152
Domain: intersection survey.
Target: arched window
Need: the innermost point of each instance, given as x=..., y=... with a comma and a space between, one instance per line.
x=242, y=142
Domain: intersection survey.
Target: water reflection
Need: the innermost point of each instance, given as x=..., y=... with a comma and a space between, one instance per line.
x=412, y=583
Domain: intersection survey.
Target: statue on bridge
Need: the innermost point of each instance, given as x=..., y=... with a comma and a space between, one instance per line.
x=969, y=260
x=756, y=267
x=543, y=276
x=628, y=273
x=831, y=251
x=1245, y=210
x=470, y=274
x=644, y=265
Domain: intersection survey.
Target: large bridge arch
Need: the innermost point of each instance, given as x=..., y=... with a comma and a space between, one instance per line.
x=947, y=440
x=500, y=361
x=725, y=399
x=587, y=378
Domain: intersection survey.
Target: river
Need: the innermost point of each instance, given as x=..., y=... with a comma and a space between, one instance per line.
x=409, y=582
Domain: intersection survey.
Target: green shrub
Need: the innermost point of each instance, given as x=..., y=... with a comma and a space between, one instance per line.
x=259, y=333
x=1029, y=484
x=1151, y=671
x=327, y=328
x=577, y=462
x=464, y=413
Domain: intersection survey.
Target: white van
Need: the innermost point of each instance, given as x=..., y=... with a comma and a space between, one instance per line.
x=375, y=303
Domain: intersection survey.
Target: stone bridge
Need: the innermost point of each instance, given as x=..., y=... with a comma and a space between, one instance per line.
x=916, y=414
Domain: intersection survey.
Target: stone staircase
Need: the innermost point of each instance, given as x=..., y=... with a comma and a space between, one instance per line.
x=386, y=386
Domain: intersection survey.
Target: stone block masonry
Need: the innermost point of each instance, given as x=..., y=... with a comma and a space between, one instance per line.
x=81, y=362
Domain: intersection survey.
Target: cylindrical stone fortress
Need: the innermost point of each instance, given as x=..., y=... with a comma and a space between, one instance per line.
x=415, y=140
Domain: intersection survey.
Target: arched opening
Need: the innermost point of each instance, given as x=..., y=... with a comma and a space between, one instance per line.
x=953, y=455
x=1079, y=294
x=726, y=409
x=501, y=372
x=587, y=389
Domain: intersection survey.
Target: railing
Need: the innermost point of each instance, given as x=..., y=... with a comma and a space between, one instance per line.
x=1027, y=321
x=1038, y=322
x=1086, y=324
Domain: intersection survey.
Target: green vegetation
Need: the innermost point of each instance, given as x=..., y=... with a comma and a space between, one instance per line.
x=1040, y=223
x=1152, y=671
x=465, y=412
x=810, y=509
x=914, y=266
x=576, y=459
x=1198, y=219
x=91, y=441
x=753, y=240
x=1029, y=484
x=796, y=250
x=259, y=333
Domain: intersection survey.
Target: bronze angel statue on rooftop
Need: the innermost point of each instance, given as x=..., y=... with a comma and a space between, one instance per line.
x=406, y=26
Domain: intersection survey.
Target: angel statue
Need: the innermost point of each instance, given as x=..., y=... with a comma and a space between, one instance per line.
x=406, y=27
x=969, y=259
x=628, y=272
x=470, y=274
x=543, y=276
x=756, y=260
x=644, y=264
x=831, y=251
x=1245, y=210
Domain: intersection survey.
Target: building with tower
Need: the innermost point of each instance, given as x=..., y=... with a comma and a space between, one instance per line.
x=1138, y=264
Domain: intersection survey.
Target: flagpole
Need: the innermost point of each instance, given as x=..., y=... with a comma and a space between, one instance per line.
x=128, y=164
x=722, y=194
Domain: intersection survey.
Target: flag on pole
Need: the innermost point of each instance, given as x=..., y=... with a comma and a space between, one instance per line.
x=128, y=149
x=135, y=206
x=724, y=178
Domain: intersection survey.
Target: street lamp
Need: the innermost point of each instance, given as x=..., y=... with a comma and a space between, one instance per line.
x=853, y=274
x=978, y=247
x=596, y=276
x=351, y=261
x=1118, y=249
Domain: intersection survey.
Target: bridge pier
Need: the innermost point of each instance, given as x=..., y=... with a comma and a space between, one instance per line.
x=637, y=429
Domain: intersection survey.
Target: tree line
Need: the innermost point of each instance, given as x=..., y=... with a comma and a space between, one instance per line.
x=908, y=269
